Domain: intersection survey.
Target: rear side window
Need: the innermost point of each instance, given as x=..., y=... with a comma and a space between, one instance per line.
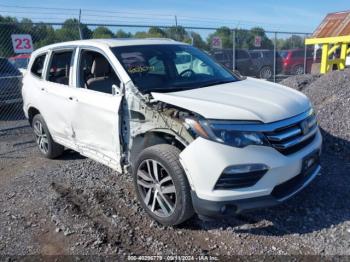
x=38, y=66
x=298, y=54
x=255, y=55
x=59, y=69
x=240, y=54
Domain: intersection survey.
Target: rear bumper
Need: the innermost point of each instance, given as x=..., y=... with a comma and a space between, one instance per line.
x=209, y=208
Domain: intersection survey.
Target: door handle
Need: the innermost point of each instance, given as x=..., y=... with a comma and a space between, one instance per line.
x=42, y=89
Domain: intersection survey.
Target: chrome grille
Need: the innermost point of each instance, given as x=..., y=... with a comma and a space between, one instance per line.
x=291, y=138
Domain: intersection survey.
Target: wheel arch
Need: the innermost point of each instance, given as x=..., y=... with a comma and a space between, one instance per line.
x=154, y=137
x=32, y=111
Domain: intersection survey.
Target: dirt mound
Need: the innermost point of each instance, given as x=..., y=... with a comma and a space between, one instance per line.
x=330, y=95
x=299, y=82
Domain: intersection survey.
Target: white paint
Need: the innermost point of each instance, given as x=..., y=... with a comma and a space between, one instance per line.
x=250, y=99
x=205, y=160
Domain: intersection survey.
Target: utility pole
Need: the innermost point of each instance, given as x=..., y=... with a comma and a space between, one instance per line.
x=176, y=29
x=79, y=27
x=274, y=57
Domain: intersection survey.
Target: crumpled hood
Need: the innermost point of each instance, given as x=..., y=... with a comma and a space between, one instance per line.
x=250, y=99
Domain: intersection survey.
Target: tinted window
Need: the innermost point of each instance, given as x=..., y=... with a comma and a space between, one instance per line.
x=59, y=69
x=255, y=55
x=240, y=54
x=269, y=54
x=38, y=65
x=298, y=54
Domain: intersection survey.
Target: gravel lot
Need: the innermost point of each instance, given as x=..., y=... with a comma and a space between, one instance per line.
x=75, y=206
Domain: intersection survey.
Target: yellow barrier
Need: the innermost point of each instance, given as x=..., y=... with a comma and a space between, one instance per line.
x=329, y=46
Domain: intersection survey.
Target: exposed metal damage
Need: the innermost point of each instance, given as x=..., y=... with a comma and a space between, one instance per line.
x=146, y=122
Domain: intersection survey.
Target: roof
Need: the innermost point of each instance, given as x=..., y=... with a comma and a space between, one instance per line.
x=334, y=24
x=112, y=42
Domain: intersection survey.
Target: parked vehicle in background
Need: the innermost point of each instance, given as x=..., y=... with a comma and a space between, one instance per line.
x=293, y=60
x=264, y=63
x=205, y=141
x=10, y=83
x=244, y=63
x=20, y=61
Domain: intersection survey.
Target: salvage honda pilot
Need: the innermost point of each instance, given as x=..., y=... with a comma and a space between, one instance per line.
x=196, y=137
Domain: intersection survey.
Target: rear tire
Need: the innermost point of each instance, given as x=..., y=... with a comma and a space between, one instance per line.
x=161, y=185
x=47, y=147
x=298, y=70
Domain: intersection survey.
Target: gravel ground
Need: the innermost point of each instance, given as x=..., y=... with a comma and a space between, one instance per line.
x=330, y=95
x=75, y=206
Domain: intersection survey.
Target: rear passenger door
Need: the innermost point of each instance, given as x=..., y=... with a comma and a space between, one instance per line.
x=96, y=120
x=56, y=98
x=244, y=63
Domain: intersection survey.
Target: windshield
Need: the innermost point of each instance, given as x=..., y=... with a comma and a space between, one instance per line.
x=167, y=68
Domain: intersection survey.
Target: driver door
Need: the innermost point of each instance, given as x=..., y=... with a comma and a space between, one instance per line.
x=96, y=120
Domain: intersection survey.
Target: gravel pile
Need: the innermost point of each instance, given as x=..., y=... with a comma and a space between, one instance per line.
x=330, y=95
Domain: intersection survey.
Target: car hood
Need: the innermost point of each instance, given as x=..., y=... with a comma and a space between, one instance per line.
x=250, y=99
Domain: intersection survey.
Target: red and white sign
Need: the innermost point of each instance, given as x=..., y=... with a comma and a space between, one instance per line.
x=22, y=43
x=257, y=41
x=216, y=42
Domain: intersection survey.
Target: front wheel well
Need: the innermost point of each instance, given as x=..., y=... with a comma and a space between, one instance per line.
x=145, y=140
x=32, y=111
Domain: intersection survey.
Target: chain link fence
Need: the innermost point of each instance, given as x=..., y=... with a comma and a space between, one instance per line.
x=256, y=53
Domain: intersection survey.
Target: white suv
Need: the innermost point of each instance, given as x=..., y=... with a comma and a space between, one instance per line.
x=197, y=139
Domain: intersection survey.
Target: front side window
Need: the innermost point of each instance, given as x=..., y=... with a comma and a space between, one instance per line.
x=38, y=65
x=96, y=73
x=59, y=68
x=167, y=68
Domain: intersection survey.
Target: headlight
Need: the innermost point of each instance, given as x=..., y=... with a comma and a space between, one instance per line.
x=225, y=132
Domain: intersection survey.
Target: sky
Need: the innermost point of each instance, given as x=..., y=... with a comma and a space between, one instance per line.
x=287, y=15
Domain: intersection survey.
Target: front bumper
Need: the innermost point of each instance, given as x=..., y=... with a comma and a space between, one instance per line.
x=208, y=208
x=204, y=161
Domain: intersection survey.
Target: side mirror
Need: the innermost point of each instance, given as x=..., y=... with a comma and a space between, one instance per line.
x=116, y=90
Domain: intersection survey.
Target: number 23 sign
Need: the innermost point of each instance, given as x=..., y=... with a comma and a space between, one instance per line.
x=22, y=43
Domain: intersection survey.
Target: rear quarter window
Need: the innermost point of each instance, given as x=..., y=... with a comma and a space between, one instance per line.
x=38, y=66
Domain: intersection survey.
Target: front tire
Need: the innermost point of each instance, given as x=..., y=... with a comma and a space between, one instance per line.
x=47, y=147
x=265, y=73
x=161, y=185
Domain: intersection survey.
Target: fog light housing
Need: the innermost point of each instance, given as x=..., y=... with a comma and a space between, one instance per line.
x=240, y=176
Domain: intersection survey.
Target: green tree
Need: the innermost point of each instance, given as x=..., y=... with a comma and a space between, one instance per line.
x=294, y=41
x=122, y=34
x=178, y=33
x=8, y=27
x=102, y=32
x=246, y=38
x=225, y=34
x=198, y=41
x=70, y=31
x=155, y=31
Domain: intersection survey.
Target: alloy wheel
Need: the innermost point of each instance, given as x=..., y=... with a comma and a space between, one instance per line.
x=41, y=137
x=156, y=188
x=266, y=73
